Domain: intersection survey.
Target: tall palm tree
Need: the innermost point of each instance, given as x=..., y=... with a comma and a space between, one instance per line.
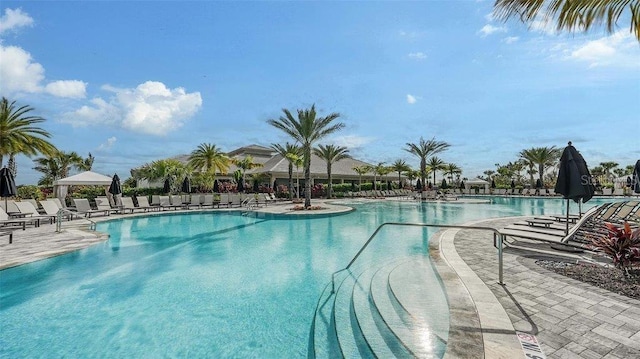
x=331, y=154
x=572, y=15
x=245, y=164
x=379, y=169
x=87, y=163
x=543, y=157
x=361, y=170
x=19, y=132
x=57, y=166
x=423, y=150
x=208, y=158
x=291, y=153
x=400, y=166
x=607, y=167
x=452, y=170
x=436, y=164
x=306, y=129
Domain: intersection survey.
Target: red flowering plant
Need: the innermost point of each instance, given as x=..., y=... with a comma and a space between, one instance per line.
x=622, y=245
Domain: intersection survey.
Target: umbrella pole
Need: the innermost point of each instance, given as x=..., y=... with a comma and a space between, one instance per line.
x=566, y=232
x=580, y=208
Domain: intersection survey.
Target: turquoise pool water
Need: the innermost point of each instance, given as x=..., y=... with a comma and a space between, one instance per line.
x=208, y=284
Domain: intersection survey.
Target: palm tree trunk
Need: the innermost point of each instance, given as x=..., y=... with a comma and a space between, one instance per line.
x=12, y=165
x=330, y=186
x=290, y=181
x=541, y=169
x=307, y=176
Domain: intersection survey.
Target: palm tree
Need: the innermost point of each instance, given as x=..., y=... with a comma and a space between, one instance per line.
x=331, y=154
x=435, y=164
x=423, y=150
x=87, y=163
x=19, y=133
x=306, y=130
x=400, y=166
x=572, y=15
x=57, y=166
x=245, y=164
x=607, y=167
x=543, y=157
x=208, y=158
x=291, y=153
x=411, y=175
x=452, y=169
x=361, y=170
x=171, y=169
x=378, y=169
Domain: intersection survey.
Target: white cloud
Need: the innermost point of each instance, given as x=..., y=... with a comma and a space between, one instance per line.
x=108, y=144
x=150, y=108
x=67, y=88
x=352, y=141
x=417, y=55
x=411, y=99
x=489, y=29
x=13, y=19
x=18, y=71
x=617, y=50
x=510, y=39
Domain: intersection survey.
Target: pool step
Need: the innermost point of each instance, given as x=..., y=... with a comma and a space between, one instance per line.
x=382, y=311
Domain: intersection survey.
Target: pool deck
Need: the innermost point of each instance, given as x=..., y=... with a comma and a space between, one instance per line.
x=570, y=319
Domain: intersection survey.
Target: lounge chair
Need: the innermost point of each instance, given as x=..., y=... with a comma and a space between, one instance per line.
x=103, y=203
x=143, y=202
x=51, y=209
x=196, y=201
x=5, y=220
x=176, y=201
x=30, y=211
x=83, y=207
x=618, y=192
x=165, y=203
x=208, y=200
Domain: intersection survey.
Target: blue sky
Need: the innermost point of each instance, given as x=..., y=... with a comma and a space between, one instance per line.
x=133, y=82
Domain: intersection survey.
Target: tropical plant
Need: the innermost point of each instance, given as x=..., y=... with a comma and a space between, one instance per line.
x=291, y=153
x=572, y=15
x=331, y=154
x=19, y=133
x=399, y=166
x=411, y=175
x=245, y=164
x=423, y=149
x=435, y=164
x=208, y=158
x=622, y=245
x=361, y=170
x=86, y=163
x=607, y=167
x=306, y=129
x=170, y=170
x=57, y=166
x=452, y=170
x=543, y=157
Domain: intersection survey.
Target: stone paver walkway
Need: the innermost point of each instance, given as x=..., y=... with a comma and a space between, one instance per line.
x=571, y=319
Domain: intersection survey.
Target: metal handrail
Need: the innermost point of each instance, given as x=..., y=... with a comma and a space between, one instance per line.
x=496, y=234
x=247, y=202
x=61, y=211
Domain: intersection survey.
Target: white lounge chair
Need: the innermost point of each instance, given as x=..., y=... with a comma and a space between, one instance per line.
x=28, y=210
x=143, y=202
x=83, y=207
x=5, y=220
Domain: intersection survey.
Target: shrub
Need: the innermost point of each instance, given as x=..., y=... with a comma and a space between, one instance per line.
x=30, y=191
x=622, y=245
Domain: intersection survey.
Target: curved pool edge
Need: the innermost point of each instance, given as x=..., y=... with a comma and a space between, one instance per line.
x=480, y=326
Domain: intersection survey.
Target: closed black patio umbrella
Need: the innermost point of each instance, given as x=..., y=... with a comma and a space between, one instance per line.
x=7, y=185
x=240, y=186
x=167, y=186
x=493, y=184
x=574, y=180
x=115, y=189
x=513, y=184
x=216, y=186
x=461, y=184
x=418, y=184
x=186, y=185
x=635, y=182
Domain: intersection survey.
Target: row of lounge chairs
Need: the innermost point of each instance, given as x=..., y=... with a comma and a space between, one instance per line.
x=553, y=228
x=381, y=194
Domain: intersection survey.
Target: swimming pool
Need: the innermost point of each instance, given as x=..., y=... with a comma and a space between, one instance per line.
x=208, y=284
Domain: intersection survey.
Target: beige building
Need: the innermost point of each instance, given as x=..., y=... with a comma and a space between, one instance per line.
x=276, y=168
